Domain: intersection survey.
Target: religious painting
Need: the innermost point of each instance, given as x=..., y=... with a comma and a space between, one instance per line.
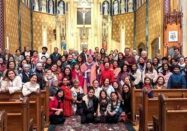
x=83, y=16
x=51, y=7
x=105, y=8
x=173, y=36
x=116, y=7
x=61, y=7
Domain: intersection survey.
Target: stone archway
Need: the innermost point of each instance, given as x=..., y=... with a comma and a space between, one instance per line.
x=141, y=47
x=155, y=47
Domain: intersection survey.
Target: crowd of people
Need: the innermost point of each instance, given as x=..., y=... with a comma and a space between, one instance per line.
x=93, y=84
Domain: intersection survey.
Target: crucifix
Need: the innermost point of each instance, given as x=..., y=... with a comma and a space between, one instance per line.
x=83, y=32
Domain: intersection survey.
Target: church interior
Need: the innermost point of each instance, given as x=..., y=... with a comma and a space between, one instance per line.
x=154, y=26
x=92, y=23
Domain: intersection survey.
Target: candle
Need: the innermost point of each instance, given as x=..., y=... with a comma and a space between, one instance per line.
x=7, y=42
x=159, y=44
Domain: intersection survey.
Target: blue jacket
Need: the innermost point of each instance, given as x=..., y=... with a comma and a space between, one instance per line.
x=176, y=81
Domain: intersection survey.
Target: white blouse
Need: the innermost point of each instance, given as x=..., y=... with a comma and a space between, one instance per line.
x=11, y=86
x=28, y=88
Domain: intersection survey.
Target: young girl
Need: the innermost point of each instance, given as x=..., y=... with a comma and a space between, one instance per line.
x=113, y=109
x=77, y=94
x=56, y=109
x=147, y=87
x=11, y=83
x=102, y=106
x=31, y=86
x=67, y=102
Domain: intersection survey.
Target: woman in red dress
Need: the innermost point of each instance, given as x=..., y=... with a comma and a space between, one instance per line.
x=67, y=102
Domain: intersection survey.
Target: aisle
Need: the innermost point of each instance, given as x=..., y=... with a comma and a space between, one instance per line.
x=73, y=124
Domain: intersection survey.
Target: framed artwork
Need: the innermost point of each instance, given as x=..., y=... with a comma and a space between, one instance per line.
x=173, y=36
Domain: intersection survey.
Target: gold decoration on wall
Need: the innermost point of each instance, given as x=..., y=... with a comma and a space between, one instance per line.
x=128, y=21
x=11, y=23
x=25, y=25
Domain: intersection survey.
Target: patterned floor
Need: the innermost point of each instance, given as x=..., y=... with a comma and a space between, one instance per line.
x=73, y=124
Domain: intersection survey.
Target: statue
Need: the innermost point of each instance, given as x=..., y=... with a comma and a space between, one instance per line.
x=130, y=6
x=50, y=8
x=35, y=5
x=43, y=6
x=123, y=6
x=115, y=7
x=61, y=7
x=105, y=8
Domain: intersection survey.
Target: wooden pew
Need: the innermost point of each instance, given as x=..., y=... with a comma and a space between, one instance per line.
x=151, y=108
x=172, y=114
x=36, y=111
x=44, y=95
x=17, y=114
x=137, y=96
x=3, y=121
x=35, y=107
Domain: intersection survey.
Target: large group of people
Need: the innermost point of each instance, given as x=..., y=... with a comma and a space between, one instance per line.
x=93, y=84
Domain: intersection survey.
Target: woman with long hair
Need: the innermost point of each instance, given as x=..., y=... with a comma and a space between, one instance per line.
x=68, y=99
x=113, y=109
x=11, y=82
x=160, y=83
x=102, y=107
x=166, y=73
x=31, y=86
x=56, y=110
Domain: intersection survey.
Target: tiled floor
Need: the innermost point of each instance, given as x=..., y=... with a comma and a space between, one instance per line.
x=73, y=124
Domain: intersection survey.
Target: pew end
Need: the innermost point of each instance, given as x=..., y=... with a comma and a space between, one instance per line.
x=3, y=121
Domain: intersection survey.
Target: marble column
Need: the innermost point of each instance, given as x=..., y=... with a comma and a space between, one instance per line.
x=184, y=26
